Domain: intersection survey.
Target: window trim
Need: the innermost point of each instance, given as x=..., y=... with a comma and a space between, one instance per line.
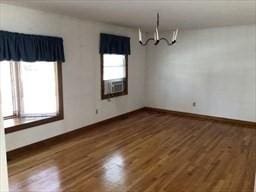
x=111, y=95
x=59, y=116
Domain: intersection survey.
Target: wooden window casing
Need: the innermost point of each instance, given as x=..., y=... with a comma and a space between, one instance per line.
x=111, y=95
x=20, y=123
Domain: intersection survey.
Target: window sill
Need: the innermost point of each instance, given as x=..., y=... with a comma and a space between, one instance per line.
x=109, y=96
x=17, y=124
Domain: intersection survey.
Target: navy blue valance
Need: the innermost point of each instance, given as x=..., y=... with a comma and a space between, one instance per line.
x=30, y=48
x=113, y=44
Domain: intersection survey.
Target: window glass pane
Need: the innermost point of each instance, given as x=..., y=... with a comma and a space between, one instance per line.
x=39, y=87
x=6, y=88
x=113, y=60
x=111, y=73
x=114, y=66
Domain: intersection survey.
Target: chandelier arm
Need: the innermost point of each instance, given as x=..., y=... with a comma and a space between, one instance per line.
x=157, y=24
x=144, y=44
x=166, y=40
x=156, y=42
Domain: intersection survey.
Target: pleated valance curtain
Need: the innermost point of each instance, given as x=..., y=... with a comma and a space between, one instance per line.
x=113, y=44
x=30, y=48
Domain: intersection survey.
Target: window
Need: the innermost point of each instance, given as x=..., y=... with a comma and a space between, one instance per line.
x=31, y=93
x=114, y=75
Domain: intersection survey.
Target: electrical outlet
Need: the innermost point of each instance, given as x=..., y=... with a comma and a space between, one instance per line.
x=194, y=104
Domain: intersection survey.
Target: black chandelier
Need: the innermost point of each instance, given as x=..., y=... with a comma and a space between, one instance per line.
x=156, y=37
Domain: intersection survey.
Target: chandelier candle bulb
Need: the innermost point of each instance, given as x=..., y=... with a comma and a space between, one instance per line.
x=173, y=36
x=140, y=36
x=176, y=34
x=157, y=34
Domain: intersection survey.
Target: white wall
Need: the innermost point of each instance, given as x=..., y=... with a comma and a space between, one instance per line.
x=81, y=71
x=216, y=68
x=3, y=162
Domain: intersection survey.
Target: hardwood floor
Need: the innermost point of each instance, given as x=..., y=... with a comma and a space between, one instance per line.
x=147, y=152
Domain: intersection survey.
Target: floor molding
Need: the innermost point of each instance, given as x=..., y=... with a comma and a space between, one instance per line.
x=206, y=117
x=13, y=154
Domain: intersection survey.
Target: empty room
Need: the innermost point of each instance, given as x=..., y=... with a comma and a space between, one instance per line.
x=127, y=96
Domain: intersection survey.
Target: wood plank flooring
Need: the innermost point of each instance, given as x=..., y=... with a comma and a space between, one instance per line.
x=147, y=152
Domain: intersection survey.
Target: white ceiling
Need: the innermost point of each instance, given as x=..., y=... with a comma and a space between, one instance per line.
x=190, y=14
